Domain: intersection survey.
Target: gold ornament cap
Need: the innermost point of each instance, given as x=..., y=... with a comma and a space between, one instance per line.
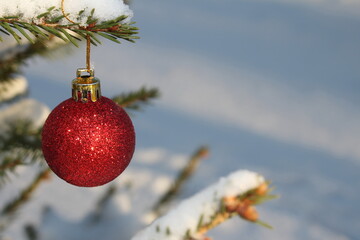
x=85, y=87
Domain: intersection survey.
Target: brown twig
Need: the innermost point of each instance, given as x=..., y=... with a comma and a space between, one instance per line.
x=134, y=99
x=25, y=195
x=63, y=12
x=183, y=176
x=9, y=165
x=242, y=206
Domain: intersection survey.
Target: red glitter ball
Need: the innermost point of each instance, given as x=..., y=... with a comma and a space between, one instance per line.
x=88, y=144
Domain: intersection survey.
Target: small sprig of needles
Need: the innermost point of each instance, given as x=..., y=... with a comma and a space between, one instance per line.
x=49, y=23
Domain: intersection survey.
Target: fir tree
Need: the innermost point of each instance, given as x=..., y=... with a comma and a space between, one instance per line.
x=20, y=141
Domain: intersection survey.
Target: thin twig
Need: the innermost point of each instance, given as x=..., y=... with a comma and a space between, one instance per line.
x=10, y=66
x=181, y=179
x=63, y=12
x=26, y=194
x=242, y=206
x=101, y=204
x=132, y=100
x=9, y=210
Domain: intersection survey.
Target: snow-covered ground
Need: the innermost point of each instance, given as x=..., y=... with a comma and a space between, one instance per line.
x=270, y=86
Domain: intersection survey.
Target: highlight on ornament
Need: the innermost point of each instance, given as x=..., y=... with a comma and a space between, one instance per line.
x=88, y=140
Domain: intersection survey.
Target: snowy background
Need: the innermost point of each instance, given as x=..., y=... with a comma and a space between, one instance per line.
x=270, y=85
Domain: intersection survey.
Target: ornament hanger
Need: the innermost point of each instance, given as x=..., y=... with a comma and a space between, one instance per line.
x=84, y=88
x=88, y=42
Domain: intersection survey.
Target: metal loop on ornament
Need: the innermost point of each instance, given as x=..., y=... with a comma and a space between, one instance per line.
x=80, y=71
x=86, y=87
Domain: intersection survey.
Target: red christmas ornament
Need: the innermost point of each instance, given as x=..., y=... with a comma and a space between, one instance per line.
x=88, y=140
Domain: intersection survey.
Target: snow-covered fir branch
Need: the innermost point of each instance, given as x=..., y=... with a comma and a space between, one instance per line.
x=183, y=222
x=70, y=21
x=29, y=11
x=13, y=88
x=25, y=109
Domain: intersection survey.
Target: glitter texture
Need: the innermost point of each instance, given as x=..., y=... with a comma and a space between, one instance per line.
x=88, y=144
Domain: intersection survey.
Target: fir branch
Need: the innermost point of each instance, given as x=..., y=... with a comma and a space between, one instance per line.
x=11, y=207
x=9, y=210
x=234, y=195
x=13, y=90
x=11, y=159
x=10, y=65
x=242, y=206
x=134, y=100
x=48, y=24
x=14, y=98
x=181, y=179
x=31, y=232
x=19, y=145
x=102, y=202
x=20, y=134
x=9, y=164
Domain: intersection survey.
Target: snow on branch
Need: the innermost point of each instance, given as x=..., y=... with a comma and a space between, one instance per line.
x=230, y=196
x=67, y=19
x=29, y=11
x=12, y=88
x=23, y=110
